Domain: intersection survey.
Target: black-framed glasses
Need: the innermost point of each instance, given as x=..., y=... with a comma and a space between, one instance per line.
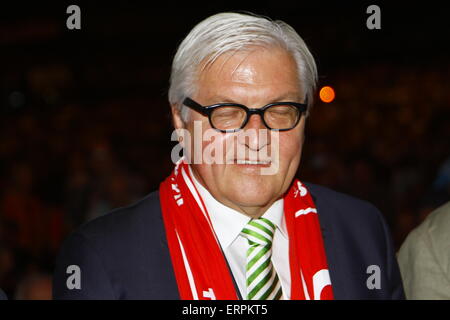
x=232, y=117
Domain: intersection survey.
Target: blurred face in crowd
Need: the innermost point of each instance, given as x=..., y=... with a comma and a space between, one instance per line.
x=255, y=78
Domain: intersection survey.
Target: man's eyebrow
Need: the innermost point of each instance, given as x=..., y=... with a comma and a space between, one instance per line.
x=288, y=96
x=222, y=99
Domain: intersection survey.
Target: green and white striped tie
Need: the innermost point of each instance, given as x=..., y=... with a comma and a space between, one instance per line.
x=262, y=280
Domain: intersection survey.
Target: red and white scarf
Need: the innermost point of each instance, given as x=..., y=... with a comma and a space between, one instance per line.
x=200, y=267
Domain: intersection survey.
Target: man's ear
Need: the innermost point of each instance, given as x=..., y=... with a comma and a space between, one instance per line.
x=178, y=124
x=177, y=121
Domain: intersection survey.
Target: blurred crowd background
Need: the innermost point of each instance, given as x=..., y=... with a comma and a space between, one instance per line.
x=85, y=123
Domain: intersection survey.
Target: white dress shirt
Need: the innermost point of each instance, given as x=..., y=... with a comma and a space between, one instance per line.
x=228, y=224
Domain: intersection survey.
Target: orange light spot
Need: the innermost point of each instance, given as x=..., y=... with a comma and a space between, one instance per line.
x=327, y=94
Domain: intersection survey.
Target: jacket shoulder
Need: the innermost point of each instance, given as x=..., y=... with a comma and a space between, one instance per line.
x=342, y=205
x=356, y=236
x=436, y=226
x=138, y=218
x=433, y=231
x=423, y=258
x=121, y=255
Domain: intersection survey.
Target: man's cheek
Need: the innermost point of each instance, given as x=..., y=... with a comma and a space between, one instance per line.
x=290, y=152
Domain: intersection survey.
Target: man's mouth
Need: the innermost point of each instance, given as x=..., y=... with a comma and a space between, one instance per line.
x=253, y=162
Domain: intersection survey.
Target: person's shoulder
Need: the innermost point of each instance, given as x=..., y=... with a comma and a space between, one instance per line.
x=125, y=223
x=434, y=229
x=438, y=221
x=342, y=204
x=115, y=252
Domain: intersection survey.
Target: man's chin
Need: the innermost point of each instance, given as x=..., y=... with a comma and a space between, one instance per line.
x=244, y=199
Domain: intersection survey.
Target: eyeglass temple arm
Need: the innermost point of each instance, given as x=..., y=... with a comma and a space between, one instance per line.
x=194, y=105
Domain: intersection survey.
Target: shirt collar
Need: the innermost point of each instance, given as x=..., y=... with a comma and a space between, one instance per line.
x=228, y=223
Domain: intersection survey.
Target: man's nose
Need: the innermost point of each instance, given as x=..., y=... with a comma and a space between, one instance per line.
x=255, y=135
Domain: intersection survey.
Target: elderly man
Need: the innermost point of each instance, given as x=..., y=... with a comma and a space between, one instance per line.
x=231, y=221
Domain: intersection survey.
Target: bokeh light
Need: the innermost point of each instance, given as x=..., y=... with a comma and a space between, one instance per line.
x=327, y=94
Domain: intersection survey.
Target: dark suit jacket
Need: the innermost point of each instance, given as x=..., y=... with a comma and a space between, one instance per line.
x=124, y=254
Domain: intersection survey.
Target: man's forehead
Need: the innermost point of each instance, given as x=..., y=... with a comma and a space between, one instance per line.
x=255, y=65
x=261, y=72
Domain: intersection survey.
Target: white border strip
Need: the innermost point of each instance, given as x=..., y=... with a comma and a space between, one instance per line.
x=305, y=211
x=193, y=191
x=197, y=198
x=305, y=288
x=188, y=270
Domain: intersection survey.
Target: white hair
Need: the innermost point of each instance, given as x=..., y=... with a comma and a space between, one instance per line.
x=228, y=31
